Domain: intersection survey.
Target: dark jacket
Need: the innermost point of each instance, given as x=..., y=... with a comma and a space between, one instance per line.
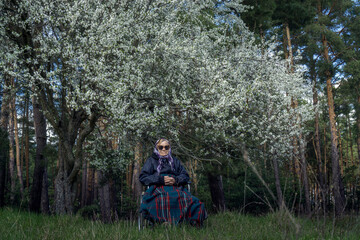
x=150, y=176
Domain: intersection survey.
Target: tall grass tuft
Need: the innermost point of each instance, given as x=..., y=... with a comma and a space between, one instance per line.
x=15, y=224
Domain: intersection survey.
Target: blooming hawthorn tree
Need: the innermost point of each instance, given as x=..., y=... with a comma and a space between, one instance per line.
x=151, y=67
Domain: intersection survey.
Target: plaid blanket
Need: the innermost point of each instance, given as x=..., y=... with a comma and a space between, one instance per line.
x=172, y=204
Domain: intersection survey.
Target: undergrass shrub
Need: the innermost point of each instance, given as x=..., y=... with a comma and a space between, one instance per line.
x=91, y=212
x=128, y=207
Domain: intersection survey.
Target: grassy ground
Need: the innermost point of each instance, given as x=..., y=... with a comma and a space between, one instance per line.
x=23, y=225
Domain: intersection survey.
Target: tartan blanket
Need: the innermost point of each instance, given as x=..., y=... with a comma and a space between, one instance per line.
x=172, y=204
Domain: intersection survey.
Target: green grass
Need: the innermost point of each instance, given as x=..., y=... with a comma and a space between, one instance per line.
x=16, y=224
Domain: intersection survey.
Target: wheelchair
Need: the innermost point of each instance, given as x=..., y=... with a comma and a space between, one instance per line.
x=142, y=221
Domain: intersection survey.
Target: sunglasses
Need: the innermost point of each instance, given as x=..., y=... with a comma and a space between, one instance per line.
x=164, y=147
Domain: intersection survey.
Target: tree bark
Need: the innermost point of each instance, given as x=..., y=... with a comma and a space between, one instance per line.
x=11, y=151
x=90, y=185
x=63, y=194
x=40, y=160
x=84, y=183
x=217, y=191
x=129, y=174
x=317, y=144
x=305, y=179
x=4, y=153
x=104, y=199
x=22, y=146
x=341, y=160
x=280, y=199
x=350, y=141
x=136, y=185
x=72, y=131
x=338, y=190
x=17, y=147
x=358, y=127
x=337, y=185
x=45, y=209
x=193, y=175
x=289, y=46
x=27, y=143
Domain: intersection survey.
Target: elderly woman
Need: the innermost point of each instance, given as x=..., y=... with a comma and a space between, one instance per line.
x=166, y=200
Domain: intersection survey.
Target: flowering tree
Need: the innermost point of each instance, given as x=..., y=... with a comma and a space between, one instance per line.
x=152, y=67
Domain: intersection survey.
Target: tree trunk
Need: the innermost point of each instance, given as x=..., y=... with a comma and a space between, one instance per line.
x=358, y=127
x=217, y=191
x=64, y=189
x=90, y=191
x=305, y=179
x=341, y=160
x=4, y=144
x=40, y=161
x=350, y=141
x=289, y=46
x=193, y=175
x=129, y=174
x=286, y=53
x=337, y=186
x=11, y=152
x=104, y=199
x=338, y=190
x=44, y=194
x=136, y=185
x=326, y=178
x=27, y=143
x=280, y=199
x=84, y=183
x=17, y=147
x=4, y=151
x=72, y=133
x=317, y=145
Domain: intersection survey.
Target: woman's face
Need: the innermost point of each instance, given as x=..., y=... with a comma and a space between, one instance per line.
x=163, y=148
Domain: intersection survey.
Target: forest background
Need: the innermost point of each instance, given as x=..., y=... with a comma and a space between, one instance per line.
x=260, y=100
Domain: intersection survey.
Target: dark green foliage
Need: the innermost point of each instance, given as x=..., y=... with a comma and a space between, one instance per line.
x=91, y=212
x=296, y=13
x=259, y=16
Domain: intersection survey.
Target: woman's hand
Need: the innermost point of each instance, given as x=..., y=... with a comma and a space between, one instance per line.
x=169, y=180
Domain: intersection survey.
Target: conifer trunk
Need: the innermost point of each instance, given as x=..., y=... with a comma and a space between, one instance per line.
x=338, y=190
x=341, y=160
x=22, y=146
x=27, y=143
x=11, y=151
x=4, y=121
x=17, y=147
x=317, y=144
x=305, y=179
x=299, y=143
x=350, y=141
x=358, y=127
